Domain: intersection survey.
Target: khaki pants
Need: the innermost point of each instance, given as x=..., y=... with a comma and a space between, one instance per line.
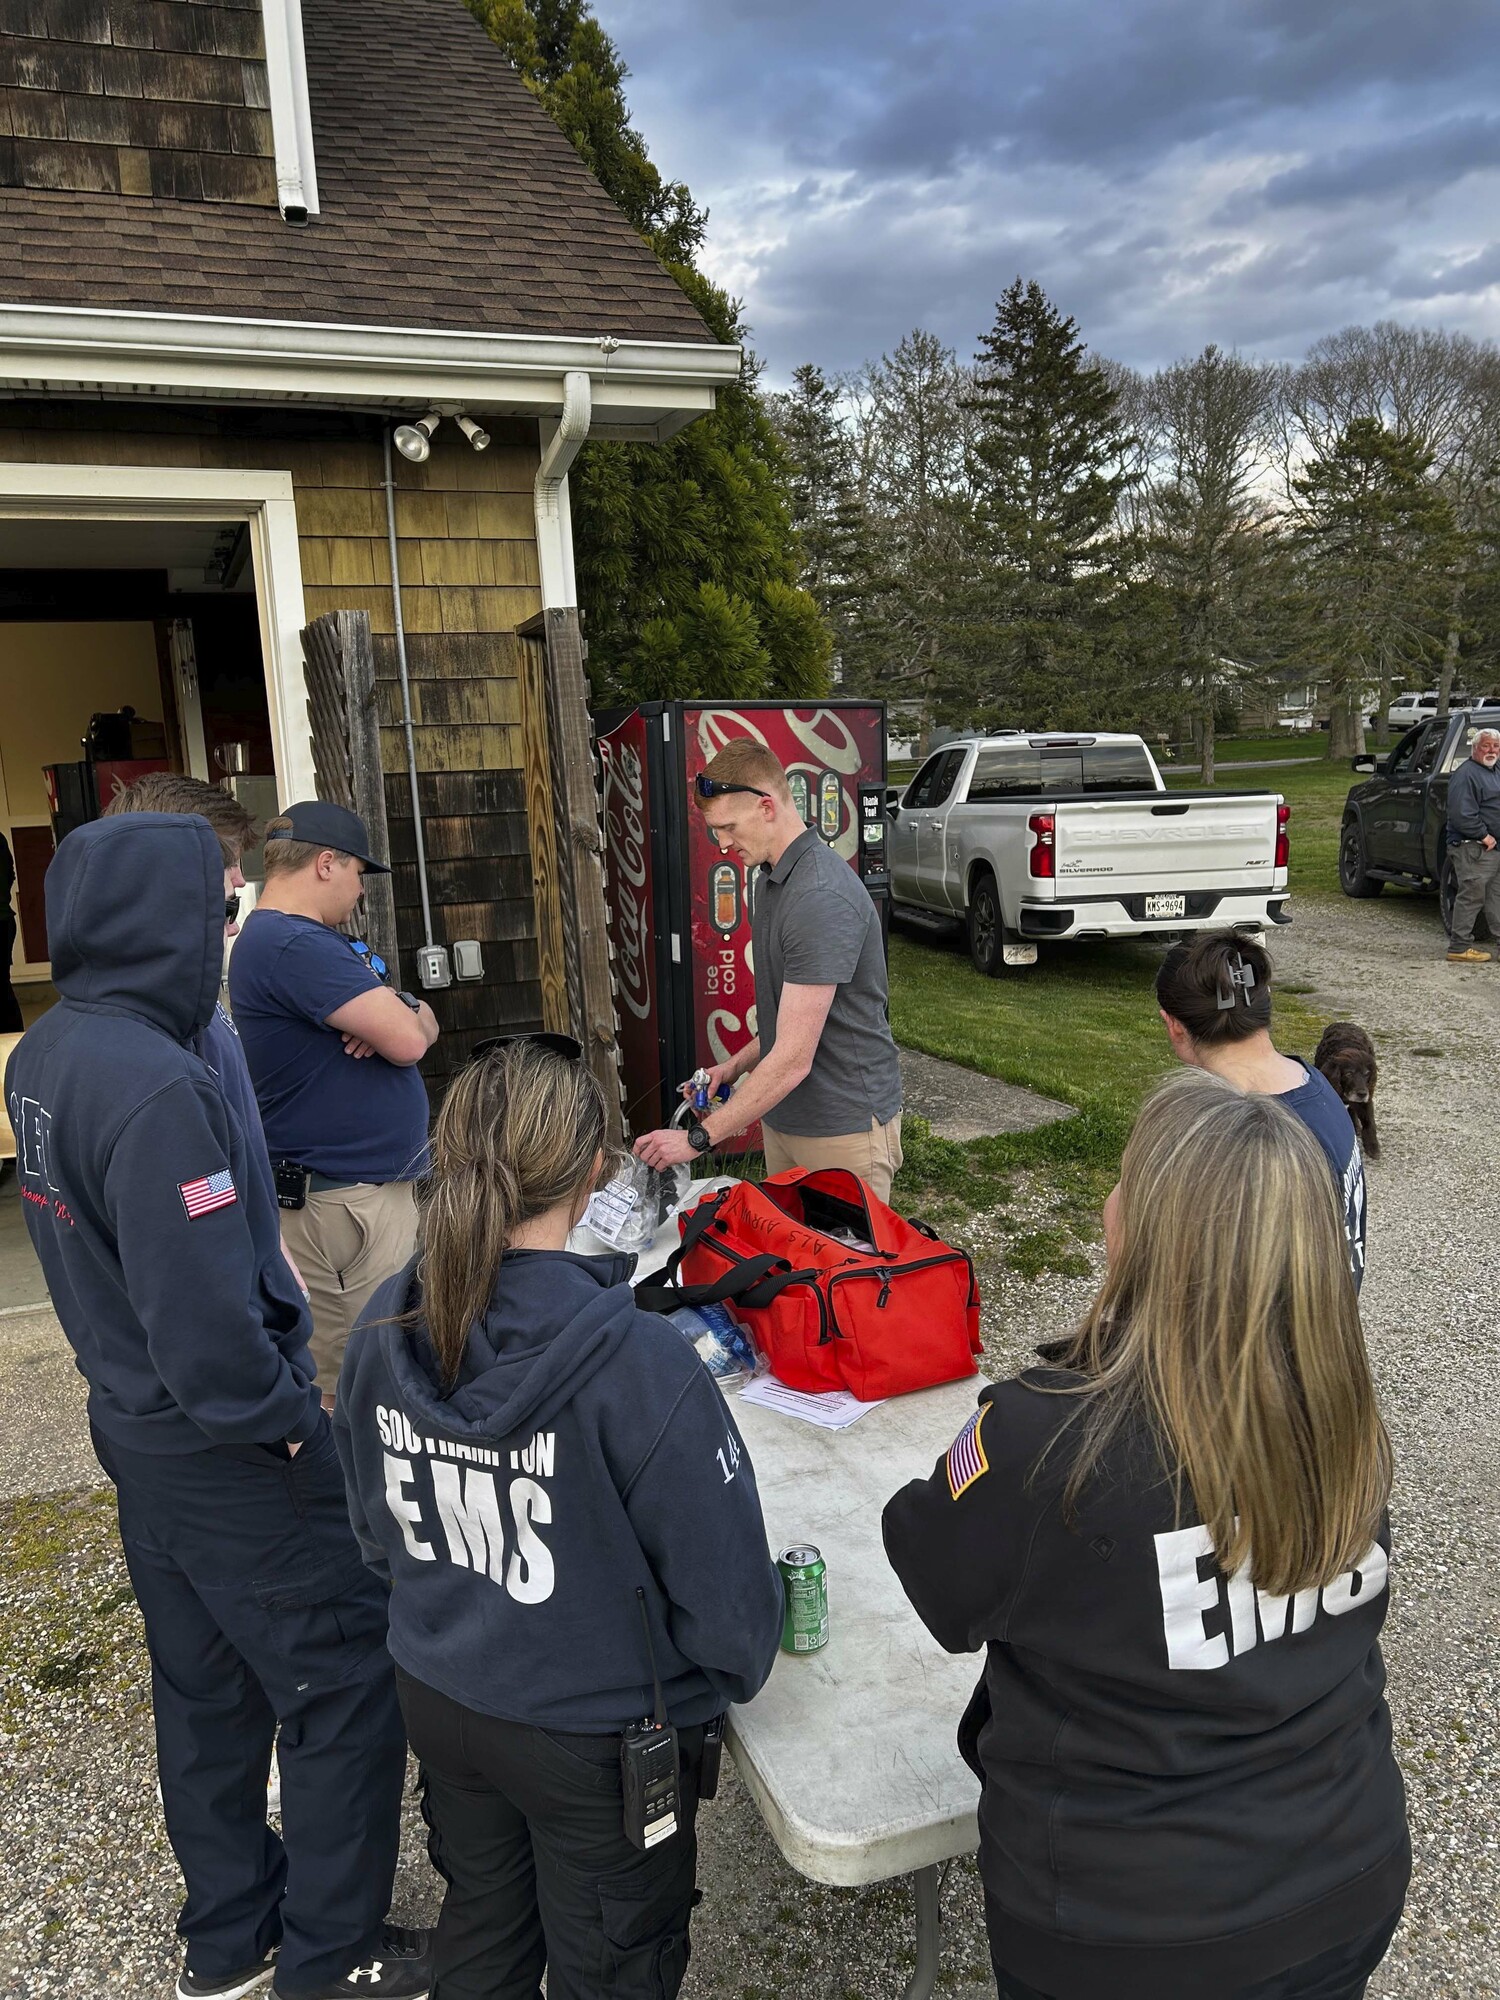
x=346, y=1241
x=874, y=1155
x=1476, y=877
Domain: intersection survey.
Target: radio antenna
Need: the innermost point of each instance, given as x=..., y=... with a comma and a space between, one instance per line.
x=661, y=1706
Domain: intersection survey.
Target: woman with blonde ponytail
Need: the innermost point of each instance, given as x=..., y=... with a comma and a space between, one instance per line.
x=1172, y=1544
x=567, y=1517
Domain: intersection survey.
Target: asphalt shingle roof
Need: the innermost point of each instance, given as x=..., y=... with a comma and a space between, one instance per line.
x=449, y=199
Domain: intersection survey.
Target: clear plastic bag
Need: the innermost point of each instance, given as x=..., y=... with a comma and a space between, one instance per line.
x=718, y=1339
x=627, y=1212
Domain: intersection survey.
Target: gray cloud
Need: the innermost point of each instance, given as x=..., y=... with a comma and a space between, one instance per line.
x=1250, y=171
x=1409, y=166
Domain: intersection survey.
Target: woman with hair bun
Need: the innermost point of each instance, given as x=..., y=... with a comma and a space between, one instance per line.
x=554, y=1488
x=1214, y=995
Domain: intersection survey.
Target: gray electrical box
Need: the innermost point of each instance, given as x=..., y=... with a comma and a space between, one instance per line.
x=468, y=959
x=432, y=966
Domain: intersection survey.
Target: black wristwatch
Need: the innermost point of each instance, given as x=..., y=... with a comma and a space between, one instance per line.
x=410, y=1000
x=699, y=1140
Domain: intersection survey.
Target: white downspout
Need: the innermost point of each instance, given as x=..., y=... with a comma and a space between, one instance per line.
x=561, y=437
x=291, y=111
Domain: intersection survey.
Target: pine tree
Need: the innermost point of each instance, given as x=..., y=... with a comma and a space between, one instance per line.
x=1378, y=546
x=1049, y=468
x=687, y=559
x=827, y=511
x=686, y=554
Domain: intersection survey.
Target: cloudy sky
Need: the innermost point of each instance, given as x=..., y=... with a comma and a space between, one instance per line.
x=1255, y=172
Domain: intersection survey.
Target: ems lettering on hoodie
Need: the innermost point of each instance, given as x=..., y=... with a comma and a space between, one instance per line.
x=583, y=1453
x=1188, y=1782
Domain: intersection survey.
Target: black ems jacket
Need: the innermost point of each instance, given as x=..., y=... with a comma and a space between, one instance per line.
x=1188, y=1785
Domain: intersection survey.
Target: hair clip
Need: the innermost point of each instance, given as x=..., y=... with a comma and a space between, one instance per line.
x=1238, y=979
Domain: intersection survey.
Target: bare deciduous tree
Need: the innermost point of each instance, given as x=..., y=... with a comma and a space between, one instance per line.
x=1206, y=529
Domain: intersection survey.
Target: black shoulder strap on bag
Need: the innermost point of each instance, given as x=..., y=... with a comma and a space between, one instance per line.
x=755, y=1282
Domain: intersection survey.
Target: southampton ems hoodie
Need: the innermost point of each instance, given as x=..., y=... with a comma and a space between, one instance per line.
x=584, y=1452
x=1188, y=1785
x=138, y=1181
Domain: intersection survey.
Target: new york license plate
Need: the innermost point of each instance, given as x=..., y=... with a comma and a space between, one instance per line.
x=1166, y=906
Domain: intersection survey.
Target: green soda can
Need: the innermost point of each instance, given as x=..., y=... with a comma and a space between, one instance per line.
x=804, y=1577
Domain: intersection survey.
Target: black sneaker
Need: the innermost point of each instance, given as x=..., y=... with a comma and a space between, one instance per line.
x=193, y=1986
x=399, y=1968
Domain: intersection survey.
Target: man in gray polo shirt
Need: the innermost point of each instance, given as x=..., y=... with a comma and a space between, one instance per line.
x=822, y=1074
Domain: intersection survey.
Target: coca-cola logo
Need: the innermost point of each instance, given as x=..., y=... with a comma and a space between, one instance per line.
x=625, y=840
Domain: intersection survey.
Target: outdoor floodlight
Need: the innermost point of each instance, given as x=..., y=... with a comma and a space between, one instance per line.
x=414, y=441
x=477, y=437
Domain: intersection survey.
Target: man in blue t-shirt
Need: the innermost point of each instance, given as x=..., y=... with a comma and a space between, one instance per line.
x=333, y=1054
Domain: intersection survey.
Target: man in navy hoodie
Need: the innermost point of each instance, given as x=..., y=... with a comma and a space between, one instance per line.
x=162, y=1254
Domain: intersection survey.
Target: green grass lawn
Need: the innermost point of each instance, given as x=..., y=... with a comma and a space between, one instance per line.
x=1080, y=1026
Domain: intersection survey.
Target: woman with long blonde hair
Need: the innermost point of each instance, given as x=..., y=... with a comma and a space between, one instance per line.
x=1172, y=1544
x=556, y=1492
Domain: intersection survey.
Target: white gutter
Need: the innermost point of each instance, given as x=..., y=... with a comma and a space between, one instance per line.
x=554, y=519
x=291, y=113
x=643, y=388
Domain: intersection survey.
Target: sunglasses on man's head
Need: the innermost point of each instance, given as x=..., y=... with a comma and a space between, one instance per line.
x=720, y=788
x=558, y=1045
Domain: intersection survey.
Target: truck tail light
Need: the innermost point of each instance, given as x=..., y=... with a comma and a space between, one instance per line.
x=1283, y=842
x=1043, y=827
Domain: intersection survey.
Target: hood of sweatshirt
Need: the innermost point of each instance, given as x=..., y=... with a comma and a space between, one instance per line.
x=553, y=1321
x=135, y=918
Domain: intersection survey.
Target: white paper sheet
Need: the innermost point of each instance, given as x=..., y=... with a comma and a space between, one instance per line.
x=832, y=1410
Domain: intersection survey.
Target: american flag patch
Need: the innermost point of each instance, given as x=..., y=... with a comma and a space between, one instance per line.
x=202, y=1197
x=966, y=1459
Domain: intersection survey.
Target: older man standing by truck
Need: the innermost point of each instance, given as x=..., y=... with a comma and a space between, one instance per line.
x=822, y=1074
x=1474, y=838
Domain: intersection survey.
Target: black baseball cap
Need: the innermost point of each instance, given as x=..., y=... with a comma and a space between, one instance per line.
x=323, y=825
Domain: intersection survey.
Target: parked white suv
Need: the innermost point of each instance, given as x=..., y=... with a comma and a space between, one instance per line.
x=1407, y=710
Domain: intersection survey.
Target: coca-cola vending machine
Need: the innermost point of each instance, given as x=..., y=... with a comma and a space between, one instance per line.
x=679, y=907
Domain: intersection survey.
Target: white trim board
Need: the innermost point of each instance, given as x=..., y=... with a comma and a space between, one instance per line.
x=639, y=389
x=264, y=501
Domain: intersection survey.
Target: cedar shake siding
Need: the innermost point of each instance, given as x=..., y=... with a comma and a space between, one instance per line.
x=466, y=538
x=163, y=98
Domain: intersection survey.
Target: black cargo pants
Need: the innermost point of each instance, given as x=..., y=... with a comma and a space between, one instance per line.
x=526, y=1828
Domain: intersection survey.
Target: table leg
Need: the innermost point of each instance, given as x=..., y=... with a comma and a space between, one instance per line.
x=929, y=1934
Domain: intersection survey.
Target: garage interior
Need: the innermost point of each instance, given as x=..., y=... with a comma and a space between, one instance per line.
x=98, y=616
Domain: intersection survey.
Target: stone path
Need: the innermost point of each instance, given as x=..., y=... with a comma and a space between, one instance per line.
x=960, y=1104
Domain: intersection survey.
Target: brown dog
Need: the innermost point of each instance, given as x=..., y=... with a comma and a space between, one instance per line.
x=1346, y=1056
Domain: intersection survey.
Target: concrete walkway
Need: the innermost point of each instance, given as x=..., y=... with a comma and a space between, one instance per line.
x=960, y=1103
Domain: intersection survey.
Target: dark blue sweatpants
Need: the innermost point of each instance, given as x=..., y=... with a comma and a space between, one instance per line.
x=259, y=1610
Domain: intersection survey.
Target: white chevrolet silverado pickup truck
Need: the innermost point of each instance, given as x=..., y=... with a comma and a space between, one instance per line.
x=1040, y=838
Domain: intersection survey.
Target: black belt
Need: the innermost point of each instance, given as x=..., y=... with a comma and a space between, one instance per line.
x=329, y=1183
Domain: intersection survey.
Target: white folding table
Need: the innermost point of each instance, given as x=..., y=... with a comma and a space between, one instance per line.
x=849, y=1753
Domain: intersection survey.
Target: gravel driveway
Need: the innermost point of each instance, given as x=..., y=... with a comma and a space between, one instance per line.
x=88, y=1892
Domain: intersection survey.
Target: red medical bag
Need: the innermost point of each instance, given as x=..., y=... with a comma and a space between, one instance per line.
x=827, y=1315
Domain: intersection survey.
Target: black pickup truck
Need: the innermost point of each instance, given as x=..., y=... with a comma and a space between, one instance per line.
x=1395, y=826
